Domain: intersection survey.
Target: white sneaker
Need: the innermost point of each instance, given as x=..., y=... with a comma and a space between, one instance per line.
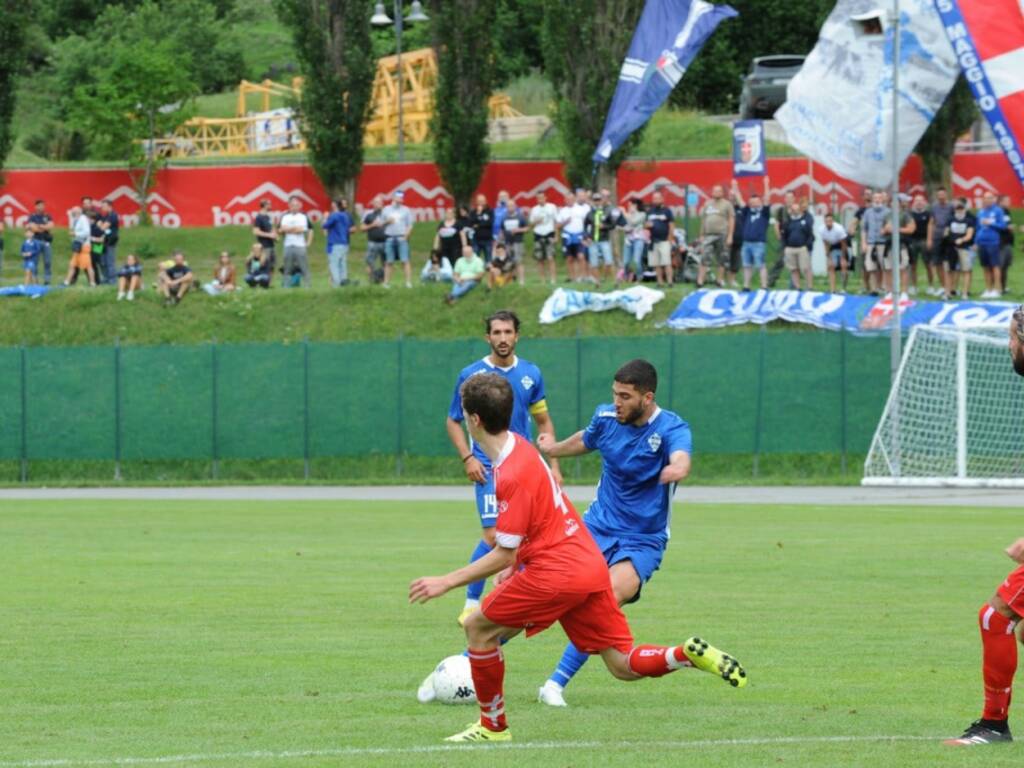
x=120, y=295
x=904, y=297
x=131, y=296
x=551, y=694
x=426, y=693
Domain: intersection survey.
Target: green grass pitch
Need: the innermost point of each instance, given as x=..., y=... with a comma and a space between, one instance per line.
x=266, y=634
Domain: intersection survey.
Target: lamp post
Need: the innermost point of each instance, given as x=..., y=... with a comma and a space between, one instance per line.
x=380, y=18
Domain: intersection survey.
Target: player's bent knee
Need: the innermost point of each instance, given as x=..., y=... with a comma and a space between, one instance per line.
x=618, y=664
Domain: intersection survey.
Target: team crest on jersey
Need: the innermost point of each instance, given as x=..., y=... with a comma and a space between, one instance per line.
x=502, y=507
x=526, y=381
x=654, y=441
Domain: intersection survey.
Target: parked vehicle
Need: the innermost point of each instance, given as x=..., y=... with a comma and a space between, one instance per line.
x=764, y=87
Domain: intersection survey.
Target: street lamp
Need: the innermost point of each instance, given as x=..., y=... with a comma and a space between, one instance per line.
x=380, y=18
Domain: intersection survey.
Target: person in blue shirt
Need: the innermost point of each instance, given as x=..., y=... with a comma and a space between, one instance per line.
x=338, y=226
x=30, y=250
x=752, y=226
x=991, y=225
x=645, y=451
x=528, y=387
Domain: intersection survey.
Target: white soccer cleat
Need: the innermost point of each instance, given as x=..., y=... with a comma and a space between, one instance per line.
x=551, y=694
x=426, y=693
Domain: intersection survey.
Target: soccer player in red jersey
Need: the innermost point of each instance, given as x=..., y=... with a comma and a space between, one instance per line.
x=999, y=618
x=549, y=569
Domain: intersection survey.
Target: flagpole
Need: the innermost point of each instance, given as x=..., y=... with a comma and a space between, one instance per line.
x=896, y=339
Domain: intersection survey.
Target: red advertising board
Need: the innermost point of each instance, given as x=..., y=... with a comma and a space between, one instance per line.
x=219, y=196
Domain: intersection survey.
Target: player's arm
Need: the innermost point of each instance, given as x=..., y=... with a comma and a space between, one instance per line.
x=545, y=426
x=428, y=587
x=571, y=446
x=677, y=469
x=474, y=469
x=1016, y=551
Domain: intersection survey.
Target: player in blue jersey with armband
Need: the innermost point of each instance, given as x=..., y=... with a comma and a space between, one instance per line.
x=645, y=451
x=530, y=404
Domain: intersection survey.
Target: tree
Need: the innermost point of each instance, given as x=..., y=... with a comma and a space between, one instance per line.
x=936, y=146
x=584, y=43
x=332, y=42
x=12, y=59
x=464, y=42
x=141, y=90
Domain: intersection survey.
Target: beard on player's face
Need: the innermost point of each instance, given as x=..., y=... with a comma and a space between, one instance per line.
x=627, y=415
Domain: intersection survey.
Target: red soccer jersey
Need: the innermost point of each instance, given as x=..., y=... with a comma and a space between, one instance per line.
x=535, y=516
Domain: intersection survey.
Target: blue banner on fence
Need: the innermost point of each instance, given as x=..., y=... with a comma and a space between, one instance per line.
x=667, y=38
x=748, y=150
x=863, y=315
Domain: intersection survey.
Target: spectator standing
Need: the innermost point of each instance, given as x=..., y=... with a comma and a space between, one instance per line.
x=501, y=210
x=467, y=273
x=298, y=236
x=906, y=225
x=942, y=212
x=918, y=245
x=1006, y=242
x=373, y=225
x=338, y=227
x=257, y=267
x=959, y=237
x=449, y=240
x=515, y=225
x=266, y=234
x=637, y=238
x=659, y=223
x=481, y=218
x=716, y=227
x=87, y=205
x=753, y=219
x=97, y=238
x=857, y=234
x=81, y=247
x=30, y=252
x=129, y=278
x=397, y=230
x=572, y=223
x=42, y=225
x=223, y=276
x=781, y=215
x=835, y=238
x=600, y=224
x=873, y=223
x=112, y=224
x=438, y=268
x=177, y=280
x=991, y=224
x=543, y=219
x=797, y=236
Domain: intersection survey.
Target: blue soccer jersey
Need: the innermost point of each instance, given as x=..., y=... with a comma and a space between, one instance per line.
x=630, y=500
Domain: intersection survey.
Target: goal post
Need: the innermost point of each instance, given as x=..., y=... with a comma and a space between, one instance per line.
x=954, y=415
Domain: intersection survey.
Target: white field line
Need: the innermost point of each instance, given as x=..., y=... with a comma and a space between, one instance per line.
x=435, y=748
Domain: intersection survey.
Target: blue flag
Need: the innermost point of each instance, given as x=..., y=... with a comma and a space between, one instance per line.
x=670, y=34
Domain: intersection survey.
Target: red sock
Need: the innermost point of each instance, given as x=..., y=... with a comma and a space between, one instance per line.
x=657, y=660
x=999, y=661
x=488, y=669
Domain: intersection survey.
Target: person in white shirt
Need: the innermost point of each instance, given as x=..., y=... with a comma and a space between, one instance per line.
x=438, y=269
x=298, y=236
x=81, y=247
x=544, y=219
x=397, y=228
x=572, y=219
x=834, y=236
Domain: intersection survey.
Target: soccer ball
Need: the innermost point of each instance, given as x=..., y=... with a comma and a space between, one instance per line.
x=453, y=681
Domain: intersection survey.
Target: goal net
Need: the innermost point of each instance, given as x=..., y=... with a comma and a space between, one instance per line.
x=955, y=414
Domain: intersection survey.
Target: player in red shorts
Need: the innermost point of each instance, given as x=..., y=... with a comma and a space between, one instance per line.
x=999, y=617
x=549, y=569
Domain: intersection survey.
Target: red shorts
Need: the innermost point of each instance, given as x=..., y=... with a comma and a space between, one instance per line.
x=1012, y=591
x=593, y=621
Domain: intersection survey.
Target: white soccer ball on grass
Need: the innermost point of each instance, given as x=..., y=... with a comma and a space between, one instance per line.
x=451, y=682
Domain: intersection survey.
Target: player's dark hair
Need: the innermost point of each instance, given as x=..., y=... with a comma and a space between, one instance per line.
x=640, y=374
x=506, y=315
x=488, y=396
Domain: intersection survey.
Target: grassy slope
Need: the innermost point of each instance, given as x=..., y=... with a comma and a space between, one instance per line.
x=176, y=628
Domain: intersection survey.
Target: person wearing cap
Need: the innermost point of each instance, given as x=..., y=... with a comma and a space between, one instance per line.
x=397, y=229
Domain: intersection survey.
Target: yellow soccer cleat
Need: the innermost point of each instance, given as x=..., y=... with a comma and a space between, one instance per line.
x=476, y=733
x=465, y=614
x=707, y=658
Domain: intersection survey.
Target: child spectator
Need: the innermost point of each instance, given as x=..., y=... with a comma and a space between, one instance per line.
x=258, y=268
x=223, y=276
x=81, y=247
x=502, y=268
x=30, y=250
x=438, y=269
x=129, y=278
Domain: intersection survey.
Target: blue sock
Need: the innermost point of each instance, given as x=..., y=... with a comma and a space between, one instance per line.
x=475, y=590
x=571, y=662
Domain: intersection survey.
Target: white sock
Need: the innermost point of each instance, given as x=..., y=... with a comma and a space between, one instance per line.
x=471, y=603
x=672, y=663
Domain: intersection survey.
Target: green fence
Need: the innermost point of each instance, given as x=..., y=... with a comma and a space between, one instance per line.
x=752, y=393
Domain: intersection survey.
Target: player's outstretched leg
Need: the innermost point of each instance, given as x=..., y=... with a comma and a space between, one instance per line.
x=474, y=590
x=999, y=662
x=571, y=662
x=707, y=658
x=659, y=660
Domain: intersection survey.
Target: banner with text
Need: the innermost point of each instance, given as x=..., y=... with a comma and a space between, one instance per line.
x=862, y=315
x=639, y=301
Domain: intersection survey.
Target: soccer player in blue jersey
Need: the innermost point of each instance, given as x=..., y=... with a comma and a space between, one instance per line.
x=645, y=451
x=528, y=389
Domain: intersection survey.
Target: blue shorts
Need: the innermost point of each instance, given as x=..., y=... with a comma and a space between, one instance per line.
x=601, y=254
x=645, y=552
x=752, y=254
x=486, y=499
x=990, y=255
x=31, y=265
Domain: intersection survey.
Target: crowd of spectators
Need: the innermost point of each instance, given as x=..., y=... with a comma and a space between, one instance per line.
x=600, y=242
